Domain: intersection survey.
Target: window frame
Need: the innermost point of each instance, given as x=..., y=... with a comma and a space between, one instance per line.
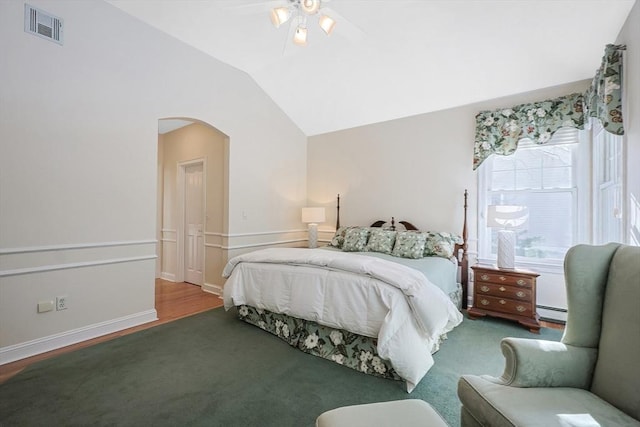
x=581, y=199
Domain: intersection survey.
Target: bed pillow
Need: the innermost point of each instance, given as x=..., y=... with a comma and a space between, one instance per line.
x=441, y=244
x=409, y=244
x=355, y=239
x=338, y=238
x=381, y=241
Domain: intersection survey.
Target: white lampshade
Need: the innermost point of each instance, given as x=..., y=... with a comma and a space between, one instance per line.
x=312, y=215
x=327, y=24
x=279, y=16
x=506, y=217
x=300, y=36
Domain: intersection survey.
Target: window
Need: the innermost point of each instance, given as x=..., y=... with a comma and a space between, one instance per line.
x=607, y=186
x=549, y=180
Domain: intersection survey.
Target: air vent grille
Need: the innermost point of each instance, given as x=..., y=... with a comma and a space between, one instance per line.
x=43, y=24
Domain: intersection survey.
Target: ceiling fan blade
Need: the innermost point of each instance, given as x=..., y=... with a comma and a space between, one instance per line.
x=344, y=27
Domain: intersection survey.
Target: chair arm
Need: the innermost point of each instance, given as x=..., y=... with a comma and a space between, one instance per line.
x=540, y=363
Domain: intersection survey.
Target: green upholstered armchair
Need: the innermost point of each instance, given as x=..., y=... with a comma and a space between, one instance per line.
x=591, y=377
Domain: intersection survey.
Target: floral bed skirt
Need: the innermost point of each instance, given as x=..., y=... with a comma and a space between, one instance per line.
x=343, y=347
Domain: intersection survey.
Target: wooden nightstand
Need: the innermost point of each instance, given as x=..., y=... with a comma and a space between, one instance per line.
x=510, y=294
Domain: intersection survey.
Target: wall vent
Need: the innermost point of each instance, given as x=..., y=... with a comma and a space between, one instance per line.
x=43, y=24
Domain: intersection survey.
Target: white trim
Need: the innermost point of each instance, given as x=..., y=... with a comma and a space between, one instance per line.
x=212, y=289
x=253, y=245
x=168, y=276
x=213, y=245
x=53, y=267
x=27, y=249
x=52, y=342
x=168, y=230
x=264, y=233
x=211, y=233
x=169, y=241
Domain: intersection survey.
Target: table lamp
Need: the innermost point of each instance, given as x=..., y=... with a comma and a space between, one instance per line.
x=313, y=216
x=506, y=218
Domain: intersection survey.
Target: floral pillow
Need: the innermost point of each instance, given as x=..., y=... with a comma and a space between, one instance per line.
x=381, y=241
x=355, y=239
x=338, y=238
x=441, y=244
x=409, y=244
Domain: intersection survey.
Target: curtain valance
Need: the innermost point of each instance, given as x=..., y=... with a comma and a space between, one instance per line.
x=498, y=131
x=603, y=99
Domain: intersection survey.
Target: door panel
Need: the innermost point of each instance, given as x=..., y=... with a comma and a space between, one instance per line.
x=194, y=212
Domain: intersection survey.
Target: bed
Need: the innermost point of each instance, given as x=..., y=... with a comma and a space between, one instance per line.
x=375, y=312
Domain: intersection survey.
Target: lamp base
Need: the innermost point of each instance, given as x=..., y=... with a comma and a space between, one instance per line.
x=313, y=235
x=506, y=249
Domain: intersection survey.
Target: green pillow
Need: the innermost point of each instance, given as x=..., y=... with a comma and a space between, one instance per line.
x=441, y=244
x=409, y=244
x=381, y=241
x=355, y=239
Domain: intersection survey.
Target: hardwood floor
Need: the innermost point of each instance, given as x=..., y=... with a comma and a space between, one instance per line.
x=173, y=301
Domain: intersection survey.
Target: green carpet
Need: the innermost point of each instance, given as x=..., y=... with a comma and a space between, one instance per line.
x=212, y=369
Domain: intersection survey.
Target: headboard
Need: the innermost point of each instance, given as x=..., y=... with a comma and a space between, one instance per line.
x=460, y=249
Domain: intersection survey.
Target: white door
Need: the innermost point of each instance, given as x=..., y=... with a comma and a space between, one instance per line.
x=193, y=214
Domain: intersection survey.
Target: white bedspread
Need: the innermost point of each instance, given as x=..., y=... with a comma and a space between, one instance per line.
x=369, y=296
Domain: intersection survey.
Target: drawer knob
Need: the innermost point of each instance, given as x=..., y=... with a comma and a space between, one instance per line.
x=484, y=277
x=503, y=302
x=484, y=302
x=520, y=308
x=521, y=282
x=521, y=294
x=502, y=278
x=502, y=288
x=484, y=288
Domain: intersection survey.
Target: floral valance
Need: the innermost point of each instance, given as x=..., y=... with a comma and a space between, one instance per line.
x=603, y=99
x=498, y=131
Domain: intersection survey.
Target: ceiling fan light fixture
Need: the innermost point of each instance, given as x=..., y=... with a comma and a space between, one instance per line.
x=279, y=16
x=327, y=24
x=310, y=7
x=300, y=36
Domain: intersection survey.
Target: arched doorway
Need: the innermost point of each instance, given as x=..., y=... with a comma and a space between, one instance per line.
x=192, y=202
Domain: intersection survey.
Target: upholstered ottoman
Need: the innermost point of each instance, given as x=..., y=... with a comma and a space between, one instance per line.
x=397, y=413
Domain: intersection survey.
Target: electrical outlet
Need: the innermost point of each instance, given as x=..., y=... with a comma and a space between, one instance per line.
x=61, y=303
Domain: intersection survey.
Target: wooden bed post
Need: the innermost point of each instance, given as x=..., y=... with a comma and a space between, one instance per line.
x=338, y=213
x=464, y=262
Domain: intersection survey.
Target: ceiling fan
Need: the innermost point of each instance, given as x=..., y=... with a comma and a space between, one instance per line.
x=299, y=13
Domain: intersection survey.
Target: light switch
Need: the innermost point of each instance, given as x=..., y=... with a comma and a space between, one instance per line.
x=44, y=306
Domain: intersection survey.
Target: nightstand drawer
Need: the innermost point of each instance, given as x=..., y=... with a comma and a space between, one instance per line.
x=504, y=305
x=504, y=291
x=506, y=279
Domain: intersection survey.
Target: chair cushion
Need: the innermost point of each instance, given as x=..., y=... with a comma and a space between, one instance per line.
x=397, y=413
x=617, y=374
x=502, y=406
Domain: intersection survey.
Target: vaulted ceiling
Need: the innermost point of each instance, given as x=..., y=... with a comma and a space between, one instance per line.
x=388, y=59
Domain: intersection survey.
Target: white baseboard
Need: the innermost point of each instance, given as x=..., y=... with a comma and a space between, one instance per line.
x=213, y=289
x=168, y=276
x=53, y=342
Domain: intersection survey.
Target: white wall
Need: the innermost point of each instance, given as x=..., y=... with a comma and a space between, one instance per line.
x=630, y=36
x=78, y=166
x=415, y=168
